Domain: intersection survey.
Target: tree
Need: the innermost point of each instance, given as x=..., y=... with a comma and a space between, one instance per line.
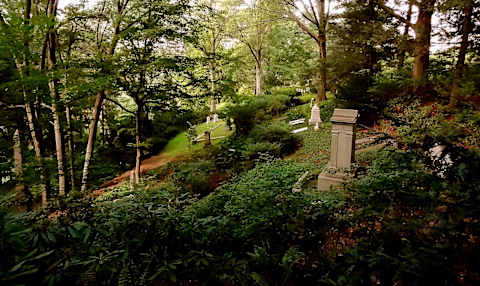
x=17, y=37
x=252, y=25
x=108, y=49
x=423, y=29
x=53, y=88
x=292, y=57
x=313, y=19
x=210, y=44
x=150, y=69
x=460, y=14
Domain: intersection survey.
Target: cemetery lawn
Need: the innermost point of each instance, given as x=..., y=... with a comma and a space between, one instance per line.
x=180, y=145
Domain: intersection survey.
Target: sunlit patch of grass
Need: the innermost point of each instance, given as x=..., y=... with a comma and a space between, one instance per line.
x=180, y=145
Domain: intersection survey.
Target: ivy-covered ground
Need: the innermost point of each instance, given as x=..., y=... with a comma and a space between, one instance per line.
x=226, y=215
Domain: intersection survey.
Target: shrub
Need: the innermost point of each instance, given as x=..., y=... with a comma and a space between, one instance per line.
x=229, y=154
x=244, y=117
x=293, y=96
x=297, y=112
x=277, y=103
x=251, y=230
x=326, y=109
x=307, y=97
x=278, y=133
x=257, y=150
x=194, y=177
x=252, y=110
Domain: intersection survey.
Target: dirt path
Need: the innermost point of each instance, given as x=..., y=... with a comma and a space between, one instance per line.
x=147, y=165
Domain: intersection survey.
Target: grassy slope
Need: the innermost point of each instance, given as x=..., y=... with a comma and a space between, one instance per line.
x=179, y=145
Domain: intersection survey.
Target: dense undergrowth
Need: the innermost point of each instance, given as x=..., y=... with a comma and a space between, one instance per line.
x=228, y=216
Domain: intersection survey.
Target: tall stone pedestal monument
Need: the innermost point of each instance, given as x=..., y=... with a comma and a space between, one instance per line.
x=342, y=150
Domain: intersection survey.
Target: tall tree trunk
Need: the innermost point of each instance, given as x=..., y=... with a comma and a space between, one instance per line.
x=213, y=103
x=38, y=151
x=70, y=145
x=18, y=161
x=52, y=62
x=92, y=130
x=401, y=56
x=258, y=77
x=467, y=27
x=423, y=30
x=322, y=71
x=36, y=136
x=35, y=140
x=18, y=169
x=139, y=123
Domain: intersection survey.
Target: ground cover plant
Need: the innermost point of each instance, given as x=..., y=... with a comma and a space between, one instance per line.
x=108, y=175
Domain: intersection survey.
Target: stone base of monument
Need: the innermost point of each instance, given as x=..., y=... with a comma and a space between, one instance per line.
x=329, y=178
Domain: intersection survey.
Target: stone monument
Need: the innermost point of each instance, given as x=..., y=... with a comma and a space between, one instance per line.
x=342, y=150
x=315, y=117
x=208, y=119
x=215, y=118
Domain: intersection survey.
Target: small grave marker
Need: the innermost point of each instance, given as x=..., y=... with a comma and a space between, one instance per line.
x=315, y=117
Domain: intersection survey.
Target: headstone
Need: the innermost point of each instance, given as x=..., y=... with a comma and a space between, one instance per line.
x=342, y=150
x=215, y=118
x=315, y=117
x=208, y=119
x=316, y=127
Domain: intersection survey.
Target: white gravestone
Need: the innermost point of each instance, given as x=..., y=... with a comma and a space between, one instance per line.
x=215, y=118
x=315, y=117
x=208, y=119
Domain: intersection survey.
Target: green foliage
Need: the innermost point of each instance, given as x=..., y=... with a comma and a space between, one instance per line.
x=355, y=95
x=292, y=56
x=297, y=112
x=194, y=177
x=257, y=150
x=252, y=229
x=411, y=225
x=315, y=146
x=271, y=139
x=244, y=117
x=252, y=110
x=395, y=178
x=304, y=110
x=307, y=97
x=276, y=132
x=326, y=109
